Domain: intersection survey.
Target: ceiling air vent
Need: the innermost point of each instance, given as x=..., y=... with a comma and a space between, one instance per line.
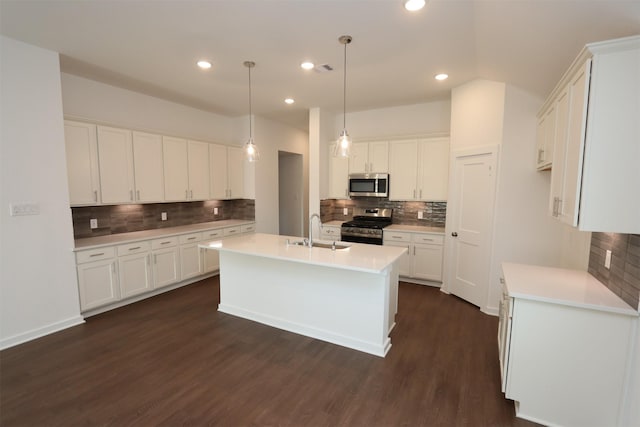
x=323, y=68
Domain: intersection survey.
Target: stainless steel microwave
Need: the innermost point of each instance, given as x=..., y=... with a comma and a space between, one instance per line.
x=369, y=185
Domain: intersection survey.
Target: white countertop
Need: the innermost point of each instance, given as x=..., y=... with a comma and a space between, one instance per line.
x=415, y=228
x=360, y=257
x=333, y=223
x=111, y=239
x=562, y=286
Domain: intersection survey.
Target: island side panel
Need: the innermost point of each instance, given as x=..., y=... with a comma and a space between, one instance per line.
x=344, y=307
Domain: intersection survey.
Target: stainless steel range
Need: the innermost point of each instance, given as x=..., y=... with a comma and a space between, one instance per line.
x=366, y=226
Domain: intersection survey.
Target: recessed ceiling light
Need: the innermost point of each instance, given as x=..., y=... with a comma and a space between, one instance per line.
x=441, y=76
x=289, y=101
x=307, y=65
x=413, y=5
x=205, y=65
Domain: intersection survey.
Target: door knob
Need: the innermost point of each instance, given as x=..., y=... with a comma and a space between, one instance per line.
x=454, y=234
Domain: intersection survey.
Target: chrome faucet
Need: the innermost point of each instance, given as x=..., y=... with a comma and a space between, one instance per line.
x=315, y=215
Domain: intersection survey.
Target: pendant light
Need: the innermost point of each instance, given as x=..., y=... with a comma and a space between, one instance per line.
x=250, y=148
x=343, y=144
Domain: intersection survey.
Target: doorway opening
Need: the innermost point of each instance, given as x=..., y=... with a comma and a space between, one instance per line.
x=290, y=194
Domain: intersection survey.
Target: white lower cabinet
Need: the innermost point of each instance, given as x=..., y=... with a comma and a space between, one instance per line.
x=97, y=277
x=110, y=275
x=190, y=259
x=423, y=260
x=166, y=261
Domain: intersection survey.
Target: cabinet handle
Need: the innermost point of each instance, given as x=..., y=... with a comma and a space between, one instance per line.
x=454, y=234
x=186, y=194
x=559, y=206
x=540, y=155
x=191, y=238
x=502, y=280
x=95, y=196
x=100, y=254
x=138, y=194
x=427, y=240
x=131, y=195
x=148, y=260
x=113, y=268
x=133, y=249
x=155, y=258
x=414, y=193
x=191, y=193
x=414, y=250
x=165, y=243
x=555, y=207
x=346, y=192
x=420, y=194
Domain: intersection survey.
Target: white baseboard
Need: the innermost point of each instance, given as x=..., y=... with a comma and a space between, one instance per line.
x=40, y=332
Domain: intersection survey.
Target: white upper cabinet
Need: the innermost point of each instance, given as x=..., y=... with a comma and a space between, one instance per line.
x=115, y=158
x=367, y=157
x=81, y=147
x=198, y=156
x=227, y=172
x=186, y=169
x=419, y=169
x=148, y=167
x=545, y=137
x=595, y=171
x=338, y=176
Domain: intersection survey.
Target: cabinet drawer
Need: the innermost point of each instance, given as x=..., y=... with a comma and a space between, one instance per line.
x=190, y=238
x=232, y=231
x=436, y=239
x=133, y=248
x=396, y=236
x=95, y=254
x=212, y=234
x=248, y=228
x=167, y=242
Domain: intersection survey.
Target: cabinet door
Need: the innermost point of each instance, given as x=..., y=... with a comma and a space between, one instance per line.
x=218, y=171
x=135, y=274
x=166, y=267
x=359, y=157
x=210, y=260
x=559, y=151
x=176, y=164
x=235, y=172
x=427, y=262
x=198, y=155
x=148, y=167
x=379, y=156
x=546, y=138
x=115, y=157
x=433, y=170
x=403, y=169
x=81, y=147
x=338, y=176
x=404, y=264
x=578, y=98
x=98, y=284
x=190, y=261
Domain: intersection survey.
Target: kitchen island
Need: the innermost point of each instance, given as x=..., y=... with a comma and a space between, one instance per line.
x=345, y=296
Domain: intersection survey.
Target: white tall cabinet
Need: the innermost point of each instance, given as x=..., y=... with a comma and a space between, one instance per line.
x=115, y=158
x=81, y=146
x=596, y=152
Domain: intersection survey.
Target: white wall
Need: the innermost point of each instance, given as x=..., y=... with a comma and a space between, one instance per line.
x=91, y=100
x=38, y=285
x=271, y=137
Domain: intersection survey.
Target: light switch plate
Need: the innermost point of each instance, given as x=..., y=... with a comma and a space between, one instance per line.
x=345, y=211
x=163, y=216
x=20, y=209
x=93, y=223
x=215, y=211
x=607, y=260
x=420, y=214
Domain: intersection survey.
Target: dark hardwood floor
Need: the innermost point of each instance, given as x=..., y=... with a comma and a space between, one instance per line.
x=174, y=360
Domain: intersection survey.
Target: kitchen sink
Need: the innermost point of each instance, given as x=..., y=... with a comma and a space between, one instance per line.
x=333, y=246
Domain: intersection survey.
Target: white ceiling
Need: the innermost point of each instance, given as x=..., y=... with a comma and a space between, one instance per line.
x=152, y=47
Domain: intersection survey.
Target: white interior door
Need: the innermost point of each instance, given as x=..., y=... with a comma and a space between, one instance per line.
x=471, y=223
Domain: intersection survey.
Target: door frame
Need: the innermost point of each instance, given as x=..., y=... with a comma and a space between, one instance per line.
x=448, y=265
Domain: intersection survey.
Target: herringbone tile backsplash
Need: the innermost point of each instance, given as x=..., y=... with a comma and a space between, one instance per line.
x=624, y=276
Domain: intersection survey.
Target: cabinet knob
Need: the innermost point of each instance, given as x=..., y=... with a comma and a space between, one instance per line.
x=454, y=234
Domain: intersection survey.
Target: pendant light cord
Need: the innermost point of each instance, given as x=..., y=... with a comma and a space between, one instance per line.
x=250, y=119
x=344, y=91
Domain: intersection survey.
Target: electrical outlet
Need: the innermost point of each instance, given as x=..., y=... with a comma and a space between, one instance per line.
x=420, y=214
x=215, y=211
x=607, y=260
x=20, y=209
x=345, y=211
x=93, y=223
x=163, y=216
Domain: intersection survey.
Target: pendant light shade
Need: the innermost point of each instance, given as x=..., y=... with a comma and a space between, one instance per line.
x=250, y=149
x=343, y=144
